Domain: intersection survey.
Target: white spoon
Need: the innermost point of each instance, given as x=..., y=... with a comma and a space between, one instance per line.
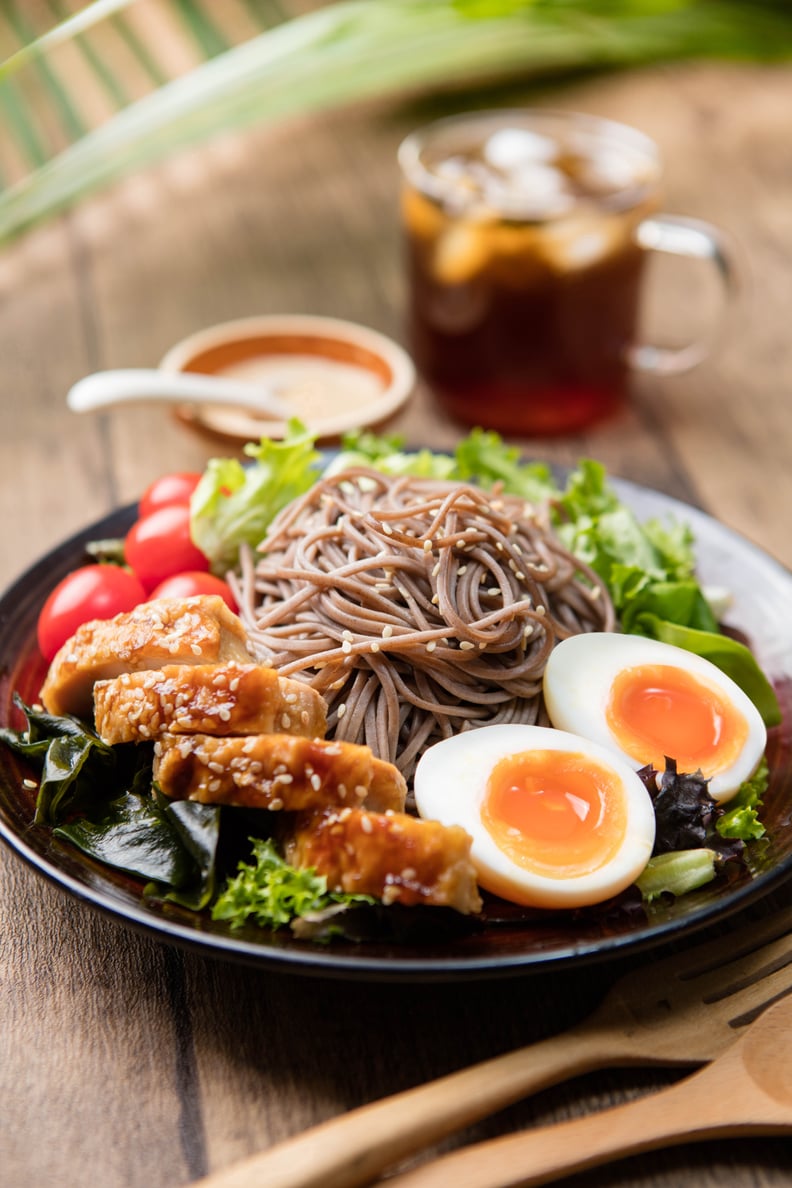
x=105, y=388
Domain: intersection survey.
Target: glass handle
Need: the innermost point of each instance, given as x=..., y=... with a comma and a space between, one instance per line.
x=679, y=236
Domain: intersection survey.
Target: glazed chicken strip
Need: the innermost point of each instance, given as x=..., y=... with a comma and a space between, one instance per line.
x=206, y=698
x=275, y=772
x=391, y=856
x=199, y=630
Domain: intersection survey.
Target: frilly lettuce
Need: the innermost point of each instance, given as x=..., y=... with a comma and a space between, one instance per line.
x=271, y=893
x=235, y=504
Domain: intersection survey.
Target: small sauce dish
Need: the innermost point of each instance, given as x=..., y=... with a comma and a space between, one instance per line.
x=336, y=375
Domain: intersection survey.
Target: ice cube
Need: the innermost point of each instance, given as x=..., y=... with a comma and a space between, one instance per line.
x=509, y=148
x=573, y=244
x=461, y=253
x=532, y=192
x=422, y=217
x=608, y=171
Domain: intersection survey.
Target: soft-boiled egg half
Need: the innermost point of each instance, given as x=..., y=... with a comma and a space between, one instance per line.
x=648, y=700
x=556, y=821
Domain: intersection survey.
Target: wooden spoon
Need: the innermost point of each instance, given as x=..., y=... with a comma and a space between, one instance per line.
x=746, y=1091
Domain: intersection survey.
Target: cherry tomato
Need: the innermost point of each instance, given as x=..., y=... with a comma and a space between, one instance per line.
x=159, y=546
x=167, y=490
x=92, y=592
x=185, y=585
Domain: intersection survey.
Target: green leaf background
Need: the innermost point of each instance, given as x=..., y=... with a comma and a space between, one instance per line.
x=241, y=62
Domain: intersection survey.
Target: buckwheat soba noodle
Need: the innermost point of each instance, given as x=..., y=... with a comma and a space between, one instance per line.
x=417, y=607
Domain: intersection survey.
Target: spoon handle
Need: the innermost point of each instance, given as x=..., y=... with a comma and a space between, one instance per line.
x=105, y=388
x=721, y=1101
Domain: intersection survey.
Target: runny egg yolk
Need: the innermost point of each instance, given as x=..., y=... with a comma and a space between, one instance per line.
x=656, y=710
x=557, y=813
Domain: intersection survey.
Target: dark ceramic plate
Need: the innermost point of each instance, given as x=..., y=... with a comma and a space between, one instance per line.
x=509, y=942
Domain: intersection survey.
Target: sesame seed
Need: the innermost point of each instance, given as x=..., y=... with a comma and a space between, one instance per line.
x=494, y=591
x=387, y=631
x=365, y=825
x=428, y=544
x=432, y=644
x=462, y=569
x=341, y=710
x=276, y=805
x=436, y=569
x=347, y=635
x=346, y=647
x=27, y=783
x=316, y=782
x=386, y=528
x=285, y=721
x=466, y=645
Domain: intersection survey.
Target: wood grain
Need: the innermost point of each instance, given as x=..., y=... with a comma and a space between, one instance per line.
x=135, y=1064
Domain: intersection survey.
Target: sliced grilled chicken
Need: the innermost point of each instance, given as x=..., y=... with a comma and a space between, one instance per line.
x=199, y=630
x=274, y=771
x=208, y=699
x=391, y=856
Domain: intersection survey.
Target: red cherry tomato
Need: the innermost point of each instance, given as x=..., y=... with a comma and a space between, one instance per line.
x=186, y=585
x=92, y=592
x=167, y=490
x=160, y=545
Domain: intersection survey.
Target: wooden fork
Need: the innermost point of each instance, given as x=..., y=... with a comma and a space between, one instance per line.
x=683, y=1010
x=747, y=1090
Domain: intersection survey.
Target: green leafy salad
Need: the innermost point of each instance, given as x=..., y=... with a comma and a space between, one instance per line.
x=221, y=859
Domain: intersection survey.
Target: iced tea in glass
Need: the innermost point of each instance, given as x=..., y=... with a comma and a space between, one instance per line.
x=524, y=265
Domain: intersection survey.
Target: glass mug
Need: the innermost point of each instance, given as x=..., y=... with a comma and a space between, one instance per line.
x=527, y=232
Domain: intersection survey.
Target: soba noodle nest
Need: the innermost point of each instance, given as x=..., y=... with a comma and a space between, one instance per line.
x=418, y=608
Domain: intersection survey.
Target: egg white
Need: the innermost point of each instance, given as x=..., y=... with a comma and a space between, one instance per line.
x=577, y=684
x=451, y=785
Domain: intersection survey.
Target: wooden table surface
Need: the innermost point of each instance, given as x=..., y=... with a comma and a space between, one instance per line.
x=130, y=1064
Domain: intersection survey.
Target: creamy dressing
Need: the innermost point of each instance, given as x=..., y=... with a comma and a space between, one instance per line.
x=316, y=387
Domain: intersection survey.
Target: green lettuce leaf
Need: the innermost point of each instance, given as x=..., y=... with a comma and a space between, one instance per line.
x=484, y=458
x=235, y=504
x=741, y=819
x=270, y=893
x=676, y=873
